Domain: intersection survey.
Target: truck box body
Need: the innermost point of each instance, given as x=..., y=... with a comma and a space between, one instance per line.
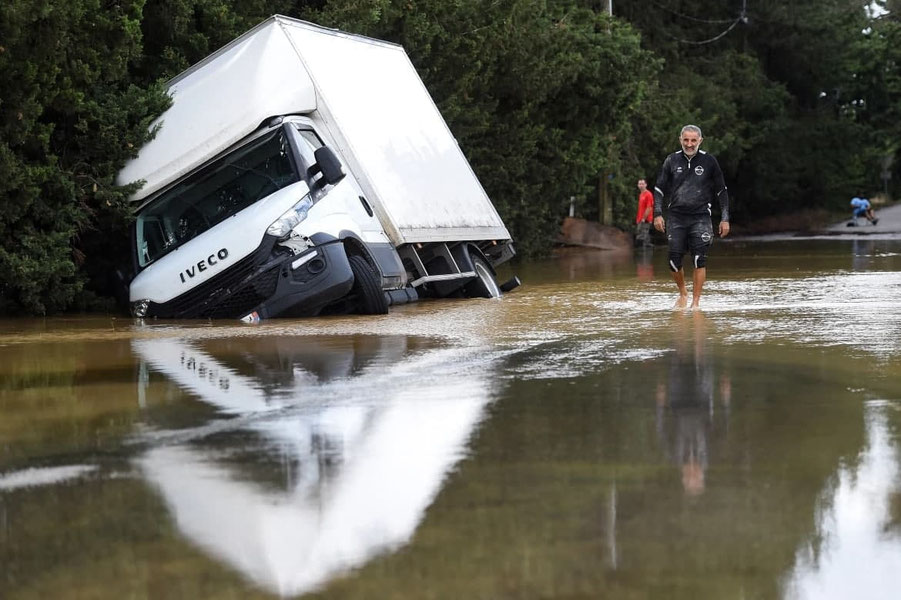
x=372, y=102
x=331, y=133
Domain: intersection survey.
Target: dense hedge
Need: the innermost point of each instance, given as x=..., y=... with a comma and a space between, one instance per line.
x=798, y=100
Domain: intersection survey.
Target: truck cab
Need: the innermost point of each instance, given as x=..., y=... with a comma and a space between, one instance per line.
x=269, y=227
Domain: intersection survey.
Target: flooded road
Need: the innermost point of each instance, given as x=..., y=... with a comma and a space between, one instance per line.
x=574, y=439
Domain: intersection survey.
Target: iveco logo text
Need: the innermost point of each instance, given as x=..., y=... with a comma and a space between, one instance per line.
x=202, y=265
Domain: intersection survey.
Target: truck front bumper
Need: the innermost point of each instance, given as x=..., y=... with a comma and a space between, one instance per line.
x=269, y=283
x=309, y=282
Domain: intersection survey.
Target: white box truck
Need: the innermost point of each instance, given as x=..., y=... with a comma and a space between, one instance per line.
x=302, y=170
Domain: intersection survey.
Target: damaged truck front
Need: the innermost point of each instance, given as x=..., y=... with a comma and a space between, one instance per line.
x=303, y=170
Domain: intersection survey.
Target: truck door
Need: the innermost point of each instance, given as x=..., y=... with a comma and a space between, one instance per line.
x=346, y=197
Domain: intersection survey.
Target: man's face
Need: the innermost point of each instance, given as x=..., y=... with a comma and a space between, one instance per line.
x=690, y=142
x=642, y=185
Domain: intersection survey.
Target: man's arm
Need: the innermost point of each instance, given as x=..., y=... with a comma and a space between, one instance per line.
x=722, y=196
x=661, y=188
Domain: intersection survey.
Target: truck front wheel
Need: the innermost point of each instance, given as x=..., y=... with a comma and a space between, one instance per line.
x=484, y=285
x=368, y=297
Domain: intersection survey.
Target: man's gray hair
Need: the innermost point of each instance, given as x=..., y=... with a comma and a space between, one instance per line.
x=694, y=128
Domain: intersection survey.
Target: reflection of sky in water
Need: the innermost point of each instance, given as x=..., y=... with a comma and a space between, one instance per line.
x=859, y=556
x=364, y=457
x=42, y=476
x=855, y=309
x=601, y=316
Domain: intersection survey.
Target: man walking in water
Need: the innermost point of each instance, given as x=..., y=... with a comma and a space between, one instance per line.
x=689, y=181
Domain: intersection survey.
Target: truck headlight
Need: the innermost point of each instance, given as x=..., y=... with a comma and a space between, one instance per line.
x=292, y=217
x=139, y=308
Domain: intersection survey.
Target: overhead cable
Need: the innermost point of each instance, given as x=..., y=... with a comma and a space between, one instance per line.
x=742, y=18
x=689, y=17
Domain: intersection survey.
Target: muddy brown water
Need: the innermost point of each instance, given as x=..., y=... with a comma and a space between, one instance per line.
x=574, y=439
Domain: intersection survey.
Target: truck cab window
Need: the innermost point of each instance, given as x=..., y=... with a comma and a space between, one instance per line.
x=214, y=193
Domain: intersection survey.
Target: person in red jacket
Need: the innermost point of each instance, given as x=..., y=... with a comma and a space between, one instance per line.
x=645, y=215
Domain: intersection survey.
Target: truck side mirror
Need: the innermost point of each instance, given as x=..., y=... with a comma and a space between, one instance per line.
x=329, y=165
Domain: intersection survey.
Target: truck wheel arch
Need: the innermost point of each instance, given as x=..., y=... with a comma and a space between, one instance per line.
x=464, y=253
x=354, y=246
x=484, y=284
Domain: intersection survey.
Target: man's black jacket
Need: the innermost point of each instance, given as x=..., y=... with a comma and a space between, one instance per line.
x=689, y=186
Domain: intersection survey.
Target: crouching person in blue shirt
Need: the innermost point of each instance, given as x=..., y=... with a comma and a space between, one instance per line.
x=862, y=208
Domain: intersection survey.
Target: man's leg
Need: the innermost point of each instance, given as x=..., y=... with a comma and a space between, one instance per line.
x=679, y=278
x=677, y=236
x=700, y=238
x=698, y=279
x=643, y=233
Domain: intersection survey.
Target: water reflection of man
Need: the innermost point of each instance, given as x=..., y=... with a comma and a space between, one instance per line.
x=686, y=402
x=861, y=253
x=644, y=265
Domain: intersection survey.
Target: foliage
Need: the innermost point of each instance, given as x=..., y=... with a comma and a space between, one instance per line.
x=69, y=118
x=539, y=94
x=771, y=94
x=799, y=101
x=875, y=101
x=179, y=33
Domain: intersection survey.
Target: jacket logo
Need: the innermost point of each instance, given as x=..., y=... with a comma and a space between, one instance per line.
x=679, y=169
x=202, y=265
x=699, y=170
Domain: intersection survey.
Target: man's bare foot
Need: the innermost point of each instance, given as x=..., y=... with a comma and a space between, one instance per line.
x=695, y=306
x=682, y=302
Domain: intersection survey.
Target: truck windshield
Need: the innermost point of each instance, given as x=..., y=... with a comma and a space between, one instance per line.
x=212, y=194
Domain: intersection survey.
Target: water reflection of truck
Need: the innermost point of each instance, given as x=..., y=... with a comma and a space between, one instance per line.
x=303, y=170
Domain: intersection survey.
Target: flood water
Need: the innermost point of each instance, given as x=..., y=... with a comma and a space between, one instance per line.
x=574, y=439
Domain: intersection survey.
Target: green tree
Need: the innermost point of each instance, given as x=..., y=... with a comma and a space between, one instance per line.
x=539, y=94
x=544, y=96
x=876, y=98
x=813, y=48
x=68, y=121
x=769, y=82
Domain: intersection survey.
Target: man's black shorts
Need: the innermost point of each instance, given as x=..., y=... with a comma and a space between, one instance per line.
x=689, y=232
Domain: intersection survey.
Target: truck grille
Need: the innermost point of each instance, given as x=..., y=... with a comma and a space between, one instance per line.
x=245, y=297
x=231, y=294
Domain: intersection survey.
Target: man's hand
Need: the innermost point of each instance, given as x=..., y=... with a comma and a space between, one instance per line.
x=724, y=228
x=660, y=224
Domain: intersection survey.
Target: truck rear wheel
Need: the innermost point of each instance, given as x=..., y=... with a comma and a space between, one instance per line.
x=484, y=284
x=369, y=299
